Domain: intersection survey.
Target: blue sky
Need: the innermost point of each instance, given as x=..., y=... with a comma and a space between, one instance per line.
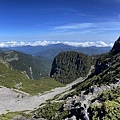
x=63, y=20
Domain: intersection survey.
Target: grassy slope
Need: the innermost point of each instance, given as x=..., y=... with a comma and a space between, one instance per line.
x=110, y=107
x=10, y=78
x=35, y=67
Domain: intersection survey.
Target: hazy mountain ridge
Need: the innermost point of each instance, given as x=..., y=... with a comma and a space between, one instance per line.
x=50, y=51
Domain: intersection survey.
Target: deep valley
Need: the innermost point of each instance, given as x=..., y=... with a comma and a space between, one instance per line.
x=71, y=86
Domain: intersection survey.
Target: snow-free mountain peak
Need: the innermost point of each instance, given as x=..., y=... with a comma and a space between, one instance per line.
x=116, y=47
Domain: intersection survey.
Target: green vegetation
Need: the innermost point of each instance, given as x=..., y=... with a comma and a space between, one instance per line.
x=52, y=111
x=15, y=79
x=10, y=115
x=107, y=69
x=110, y=107
x=34, y=67
x=67, y=66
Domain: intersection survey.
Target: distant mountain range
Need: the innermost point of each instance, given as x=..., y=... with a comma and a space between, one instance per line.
x=36, y=61
x=50, y=51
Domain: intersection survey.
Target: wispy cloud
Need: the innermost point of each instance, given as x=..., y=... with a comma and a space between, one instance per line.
x=118, y=1
x=91, y=27
x=75, y=26
x=84, y=15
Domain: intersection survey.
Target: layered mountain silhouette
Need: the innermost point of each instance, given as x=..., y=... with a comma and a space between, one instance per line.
x=51, y=51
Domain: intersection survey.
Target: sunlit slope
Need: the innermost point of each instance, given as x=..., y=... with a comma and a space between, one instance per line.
x=17, y=80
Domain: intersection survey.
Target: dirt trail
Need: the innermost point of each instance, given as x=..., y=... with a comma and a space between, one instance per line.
x=11, y=101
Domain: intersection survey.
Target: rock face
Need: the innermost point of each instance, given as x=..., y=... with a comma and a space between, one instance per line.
x=78, y=106
x=68, y=66
x=116, y=47
x=107, y=60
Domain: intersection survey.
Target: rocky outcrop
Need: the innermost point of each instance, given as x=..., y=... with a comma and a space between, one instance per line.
x=78, y=106
x=107, y=60
x=116, y=47
x=68, y=66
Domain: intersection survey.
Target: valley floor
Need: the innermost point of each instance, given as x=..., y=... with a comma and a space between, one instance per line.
x=12, y=101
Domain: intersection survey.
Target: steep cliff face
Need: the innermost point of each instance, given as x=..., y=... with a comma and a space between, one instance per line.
x=67, y=66
x=109, y=59
x=116, y=47
x=107, y=69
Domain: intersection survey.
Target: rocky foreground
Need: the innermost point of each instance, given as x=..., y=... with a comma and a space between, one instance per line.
x=12, y=100
x=79, y=105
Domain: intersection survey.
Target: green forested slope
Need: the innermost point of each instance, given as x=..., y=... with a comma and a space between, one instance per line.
x=67, y=66
x=34, y=67
x=107, y=68
x=15, y=79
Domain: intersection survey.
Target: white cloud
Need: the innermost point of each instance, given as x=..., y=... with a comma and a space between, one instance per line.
x=92, y=27
x=75, y=26
x=46, y=43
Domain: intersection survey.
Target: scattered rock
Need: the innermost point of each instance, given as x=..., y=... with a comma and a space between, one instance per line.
x=18, y=117
x=78, y=106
